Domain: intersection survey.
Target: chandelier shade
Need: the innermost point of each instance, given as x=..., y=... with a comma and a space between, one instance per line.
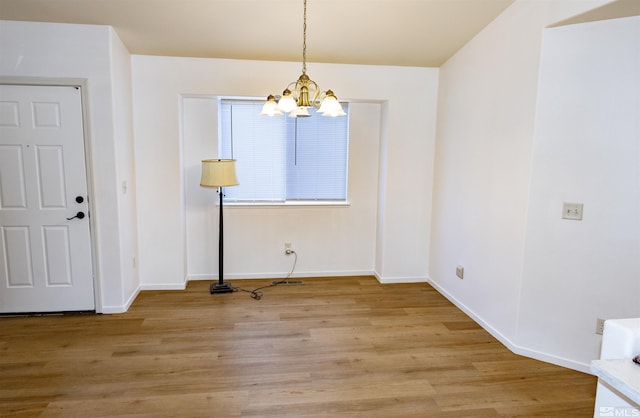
x=303, y=93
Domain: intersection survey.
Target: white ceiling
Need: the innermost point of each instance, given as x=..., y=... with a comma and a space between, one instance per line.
x=381, y=32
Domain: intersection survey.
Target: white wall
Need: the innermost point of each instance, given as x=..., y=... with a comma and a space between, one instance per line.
x=486, y=116
x=45, y=53
x=125, y=181
x=173, y=211
x=586, y=149
x=319, y=235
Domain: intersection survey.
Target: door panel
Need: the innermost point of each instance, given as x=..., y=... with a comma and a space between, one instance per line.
x=18, y=256
x=49, y=164
x=12, y=189
x=57, y=256
x=45, y=250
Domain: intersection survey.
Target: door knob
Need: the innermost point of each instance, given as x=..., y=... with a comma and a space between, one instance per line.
x=79, y=215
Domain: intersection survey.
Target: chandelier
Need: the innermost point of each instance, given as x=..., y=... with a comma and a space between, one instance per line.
x=303, y=93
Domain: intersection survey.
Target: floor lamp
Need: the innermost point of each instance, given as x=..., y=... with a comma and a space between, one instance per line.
x=219, y=173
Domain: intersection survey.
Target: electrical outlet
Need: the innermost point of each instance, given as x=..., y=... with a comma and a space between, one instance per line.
x=287, y=248
x=460, y=272
x=572, y=211
x=600, y=326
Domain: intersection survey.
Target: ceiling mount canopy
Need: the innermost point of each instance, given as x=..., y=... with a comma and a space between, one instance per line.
x=303, y=93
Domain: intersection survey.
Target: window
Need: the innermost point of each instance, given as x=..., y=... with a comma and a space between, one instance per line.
x=281, y=159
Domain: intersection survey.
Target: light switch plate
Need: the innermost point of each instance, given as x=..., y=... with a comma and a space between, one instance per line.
x=572, y=211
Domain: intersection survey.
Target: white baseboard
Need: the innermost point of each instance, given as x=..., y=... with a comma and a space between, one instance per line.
x=396, y=280
x=271, y=276
x=312, y=274
x=165, y=286
x=122, y=308
x=516, y=349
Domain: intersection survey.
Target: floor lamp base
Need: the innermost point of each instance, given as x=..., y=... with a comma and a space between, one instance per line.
x=221, y=288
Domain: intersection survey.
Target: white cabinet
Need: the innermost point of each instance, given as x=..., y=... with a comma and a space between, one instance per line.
x=618, y=392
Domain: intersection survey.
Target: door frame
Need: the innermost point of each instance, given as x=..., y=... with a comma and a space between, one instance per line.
x=82, y=85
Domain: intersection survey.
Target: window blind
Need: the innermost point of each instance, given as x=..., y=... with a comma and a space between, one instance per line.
x=281, y=158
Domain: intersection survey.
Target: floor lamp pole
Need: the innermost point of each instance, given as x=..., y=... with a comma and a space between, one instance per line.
x=219, y=173
x=221, y=286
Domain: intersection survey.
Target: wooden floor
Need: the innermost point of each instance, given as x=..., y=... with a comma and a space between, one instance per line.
x=345, y=347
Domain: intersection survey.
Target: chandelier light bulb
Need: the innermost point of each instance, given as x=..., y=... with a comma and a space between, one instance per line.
x=300, y=112
x=270, y=107
x=287, y=103
x=331, y=106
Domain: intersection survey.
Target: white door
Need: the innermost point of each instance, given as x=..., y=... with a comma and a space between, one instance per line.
x=45, y=246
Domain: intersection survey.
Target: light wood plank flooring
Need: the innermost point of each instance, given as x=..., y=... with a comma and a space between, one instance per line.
x=332, y=347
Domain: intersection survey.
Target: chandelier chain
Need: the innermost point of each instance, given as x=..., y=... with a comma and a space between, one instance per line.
x=304, y=40
x=304, y=93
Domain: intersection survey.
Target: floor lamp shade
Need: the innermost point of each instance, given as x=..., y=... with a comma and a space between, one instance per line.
x=218, y=173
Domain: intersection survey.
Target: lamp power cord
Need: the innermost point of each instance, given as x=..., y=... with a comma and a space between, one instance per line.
x=258, y=292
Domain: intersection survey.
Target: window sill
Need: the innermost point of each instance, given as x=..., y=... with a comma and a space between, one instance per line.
x=301, y=203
